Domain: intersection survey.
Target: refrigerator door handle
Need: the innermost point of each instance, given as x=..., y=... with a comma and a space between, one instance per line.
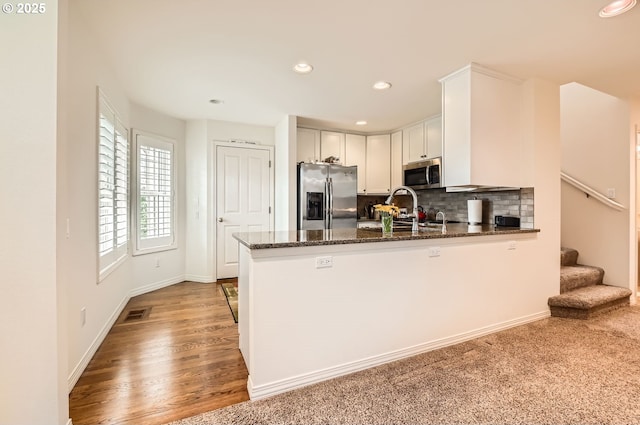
x=326, y=203
x=330, y=203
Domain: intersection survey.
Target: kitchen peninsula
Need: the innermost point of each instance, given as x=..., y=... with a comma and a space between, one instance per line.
x=314, y=305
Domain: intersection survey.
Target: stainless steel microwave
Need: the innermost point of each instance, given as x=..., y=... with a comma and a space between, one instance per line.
x=425, y=174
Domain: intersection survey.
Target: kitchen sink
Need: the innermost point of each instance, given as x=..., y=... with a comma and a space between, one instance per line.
x=405, y=226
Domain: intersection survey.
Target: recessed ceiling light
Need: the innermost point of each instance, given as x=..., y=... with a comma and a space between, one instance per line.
x=381, y=85
x=361, y=122
x=616, y=7
x=216, y=101
x=302, y=68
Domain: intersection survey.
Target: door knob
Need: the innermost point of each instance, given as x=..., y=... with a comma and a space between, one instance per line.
x=219, y=219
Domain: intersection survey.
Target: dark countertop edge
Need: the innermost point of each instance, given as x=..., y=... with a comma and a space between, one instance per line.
x=397, y=236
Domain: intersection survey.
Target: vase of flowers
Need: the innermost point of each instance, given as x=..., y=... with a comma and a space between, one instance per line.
x=387, y=212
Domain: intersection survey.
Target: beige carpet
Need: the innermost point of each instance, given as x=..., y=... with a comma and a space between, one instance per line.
x=554, y=371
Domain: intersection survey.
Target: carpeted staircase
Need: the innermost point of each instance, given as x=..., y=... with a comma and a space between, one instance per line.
x=582, y=293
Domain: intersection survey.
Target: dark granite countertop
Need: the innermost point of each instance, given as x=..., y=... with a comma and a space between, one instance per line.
x=292, y=239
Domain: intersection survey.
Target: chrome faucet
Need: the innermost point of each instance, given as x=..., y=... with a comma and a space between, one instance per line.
x=444, y=222
x=414, y=226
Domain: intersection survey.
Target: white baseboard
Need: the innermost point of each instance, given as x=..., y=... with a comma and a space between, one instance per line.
x=156, y=285
x=91, y=351
x=199, y=278
x=277, y=387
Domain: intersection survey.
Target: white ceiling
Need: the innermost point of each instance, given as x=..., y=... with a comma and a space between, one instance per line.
x=173, y=56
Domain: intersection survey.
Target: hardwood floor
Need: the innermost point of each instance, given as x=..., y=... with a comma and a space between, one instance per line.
x=181, y=360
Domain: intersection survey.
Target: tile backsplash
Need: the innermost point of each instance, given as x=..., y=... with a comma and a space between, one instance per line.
x=518, y=203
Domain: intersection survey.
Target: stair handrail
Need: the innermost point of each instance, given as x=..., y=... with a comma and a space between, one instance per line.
x=591, y=192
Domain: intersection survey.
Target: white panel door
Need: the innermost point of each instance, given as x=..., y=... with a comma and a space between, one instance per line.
x=242, y=201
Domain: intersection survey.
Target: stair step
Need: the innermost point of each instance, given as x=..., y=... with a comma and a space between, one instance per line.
x=568, y=257
x=585, y=302
x=578, y=276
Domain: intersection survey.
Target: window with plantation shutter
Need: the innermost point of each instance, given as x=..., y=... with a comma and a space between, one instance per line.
x=154, y=193
x=113, y=188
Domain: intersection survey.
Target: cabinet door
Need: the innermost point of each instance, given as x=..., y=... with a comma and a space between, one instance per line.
x=379, y=164
x=308, y=145
x=434, y=137
x=396, y=160
x=413, y=146
x=355, y=154
x=482, y=128
x=332, y=144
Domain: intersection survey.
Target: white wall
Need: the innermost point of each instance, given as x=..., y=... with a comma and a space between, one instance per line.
x=634, y=263
x=596, y=150
x=225, y=131
x=426, y=303
x=541, y=165
x=285, y=174
x=103, y=301
x=199, y=264
x=31, y=379
x=86, y=69
x=200, y=137
x=146, y=275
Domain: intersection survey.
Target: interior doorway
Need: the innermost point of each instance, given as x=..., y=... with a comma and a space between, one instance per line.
x=244, y=199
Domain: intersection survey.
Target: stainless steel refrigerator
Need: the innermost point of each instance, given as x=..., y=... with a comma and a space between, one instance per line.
x=327, y=196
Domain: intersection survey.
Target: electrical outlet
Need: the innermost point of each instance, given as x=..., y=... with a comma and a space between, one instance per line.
x=511, y=245
x=323, y=262
x=434, y=251
x=83, y=316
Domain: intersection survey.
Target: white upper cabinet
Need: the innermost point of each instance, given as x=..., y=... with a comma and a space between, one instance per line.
x=433, y=136
x=396, y=160
x=308, y=145
x=332, y=144
x=356, y=154
x=413, y=143
x=378, y=173
x=482, y=128
x=422, y=141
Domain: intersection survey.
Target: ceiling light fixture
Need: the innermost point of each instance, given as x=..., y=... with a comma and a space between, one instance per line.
x=216, y=101
x=381, y=85
x=302, y=68
x=361, y=122
x=616, y=7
